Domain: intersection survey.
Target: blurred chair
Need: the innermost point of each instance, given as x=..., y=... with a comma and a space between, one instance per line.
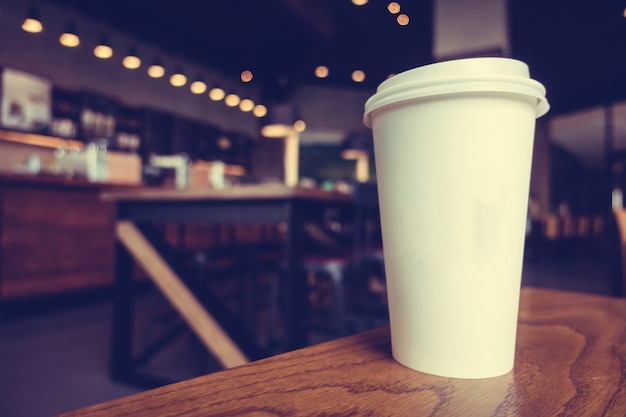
x=347, y=289
x=597, y=225
x=569, y=242
x=325, y=286
x=619, y=253
x=235, y=264
x=568, y=227
x=583, y=227
x=550, y=237
x=551, y=227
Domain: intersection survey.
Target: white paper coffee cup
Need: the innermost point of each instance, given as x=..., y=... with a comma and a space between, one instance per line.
x=453, y=148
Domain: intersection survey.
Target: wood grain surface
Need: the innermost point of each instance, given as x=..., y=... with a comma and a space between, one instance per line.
x=571, y=359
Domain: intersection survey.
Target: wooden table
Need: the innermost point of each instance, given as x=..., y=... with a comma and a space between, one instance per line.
x=571, y=361
x=251, y=204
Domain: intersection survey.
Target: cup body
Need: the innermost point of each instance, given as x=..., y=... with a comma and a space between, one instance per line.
x=453, y=149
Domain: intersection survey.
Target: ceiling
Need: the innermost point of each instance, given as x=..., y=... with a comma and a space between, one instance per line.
x=280, y=41
x=574, y=47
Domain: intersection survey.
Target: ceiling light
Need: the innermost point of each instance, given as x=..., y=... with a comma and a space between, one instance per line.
x=321, y=71
x=232, y=100
x=393, y=7
x=299, y=125
x=156, y=70
x=246, y=76
x=403, y=19
x=355, y=144
x=259, y=110
x=358, y=76
x=359, y=2
x=198, y=86
x=32, y=23
x=358, y=146
x=103, y=49
x=246, y=105
x=217, y=94
x=131, y=60
x=224, y=143
x=70, y=37
x=178, y=78
x=279, y=121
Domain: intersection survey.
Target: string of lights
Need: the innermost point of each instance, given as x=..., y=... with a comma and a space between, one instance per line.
x=131, y=60
x=33, y=24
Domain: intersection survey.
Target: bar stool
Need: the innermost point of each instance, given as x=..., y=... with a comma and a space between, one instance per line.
x=341, y=299
x=326, y=296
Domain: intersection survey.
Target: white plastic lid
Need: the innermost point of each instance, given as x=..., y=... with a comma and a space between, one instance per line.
x=458, y=76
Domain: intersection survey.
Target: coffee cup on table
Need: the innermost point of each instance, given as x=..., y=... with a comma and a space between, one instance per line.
x=453, y=148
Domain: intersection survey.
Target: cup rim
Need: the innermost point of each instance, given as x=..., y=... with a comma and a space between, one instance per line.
x=469, y=75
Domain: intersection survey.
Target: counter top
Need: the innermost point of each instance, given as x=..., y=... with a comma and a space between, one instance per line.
x=239, y=192
x=570, y=358
x=51, y=181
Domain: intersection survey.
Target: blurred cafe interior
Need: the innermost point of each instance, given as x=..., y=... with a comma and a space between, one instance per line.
x=164, y=164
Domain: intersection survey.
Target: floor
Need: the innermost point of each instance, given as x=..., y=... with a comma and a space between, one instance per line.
x=56, y=362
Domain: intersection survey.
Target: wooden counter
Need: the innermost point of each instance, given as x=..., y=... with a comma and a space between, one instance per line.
x=570, y=360
x=56, y=236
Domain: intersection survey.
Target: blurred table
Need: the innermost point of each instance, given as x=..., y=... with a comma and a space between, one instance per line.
x=571, y=352
x=251, y=204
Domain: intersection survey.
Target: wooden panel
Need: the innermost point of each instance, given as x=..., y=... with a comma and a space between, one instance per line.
x=54, y=240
